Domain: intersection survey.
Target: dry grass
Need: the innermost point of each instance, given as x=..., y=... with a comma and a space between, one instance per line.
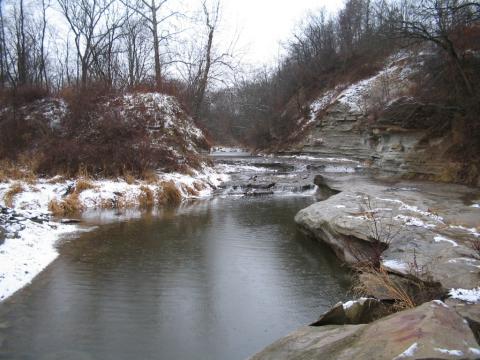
x=150, y=176
x=82, y=172
x=379, y=278
x=129, y=178
x=71, y=205
x=83, y=184
x=20, y=170
x=10, y=194
x=190, y=190
x=168, y=194
x=56, y=179
x=146, y=199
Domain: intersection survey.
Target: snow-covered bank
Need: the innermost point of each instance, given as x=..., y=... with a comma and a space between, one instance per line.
x=32, y=233
x=29, y=247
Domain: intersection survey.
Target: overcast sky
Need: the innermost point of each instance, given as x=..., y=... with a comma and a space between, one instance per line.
x=263, y=24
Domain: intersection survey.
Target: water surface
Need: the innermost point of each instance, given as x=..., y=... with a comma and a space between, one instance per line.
x=220, y=279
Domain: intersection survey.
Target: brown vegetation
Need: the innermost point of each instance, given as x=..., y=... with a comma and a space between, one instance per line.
x=168, y=194
x=15, y=189
x=83, y=184
x=69, y=206
x=146, y=199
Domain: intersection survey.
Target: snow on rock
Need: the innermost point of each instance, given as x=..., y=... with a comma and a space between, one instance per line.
x=409, y=352
x=467, y=295
x=440, y=238
x=450, y=352
x=413, y=221
x=395, y=265
x=323, y=102
x=440, y=303
x=472, y=231
x=347, y=305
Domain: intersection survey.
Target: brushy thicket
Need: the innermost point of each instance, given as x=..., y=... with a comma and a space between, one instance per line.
x=90, y=138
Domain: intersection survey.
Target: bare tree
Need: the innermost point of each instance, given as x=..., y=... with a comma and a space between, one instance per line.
x=92, y=22
x=43, y=68
x=203, y=61
x=137, y=49
x=21, y=46
x=150, y=11
x=436, y=22
x=3, y=50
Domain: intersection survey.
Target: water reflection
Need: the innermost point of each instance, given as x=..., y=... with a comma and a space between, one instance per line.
x=216, y=280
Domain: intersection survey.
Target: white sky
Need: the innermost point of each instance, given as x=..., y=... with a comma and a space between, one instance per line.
x=263, y=24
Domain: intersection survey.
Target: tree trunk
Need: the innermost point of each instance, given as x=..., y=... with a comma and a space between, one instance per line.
x=156, y=47
x=204, y=79
x=21, y=50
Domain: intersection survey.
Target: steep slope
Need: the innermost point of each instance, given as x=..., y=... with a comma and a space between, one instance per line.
x=377, y=121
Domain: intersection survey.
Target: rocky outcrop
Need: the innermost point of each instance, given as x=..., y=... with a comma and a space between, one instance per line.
x=384, y=146
x=422, y=235
x=376, y=121
x=431, y=331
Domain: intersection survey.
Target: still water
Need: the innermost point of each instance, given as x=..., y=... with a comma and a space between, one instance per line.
x=219, y=279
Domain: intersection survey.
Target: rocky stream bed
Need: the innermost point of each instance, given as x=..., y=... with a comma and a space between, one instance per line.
x=430, y=230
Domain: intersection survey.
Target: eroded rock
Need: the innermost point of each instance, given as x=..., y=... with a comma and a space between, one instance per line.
x=423, y=240
x=431, y=331
x=361, y=311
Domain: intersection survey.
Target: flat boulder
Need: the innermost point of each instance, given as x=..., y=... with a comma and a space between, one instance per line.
x=431, y=331
x=421, y=228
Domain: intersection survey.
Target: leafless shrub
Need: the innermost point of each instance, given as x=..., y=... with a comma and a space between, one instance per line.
x=381, y=235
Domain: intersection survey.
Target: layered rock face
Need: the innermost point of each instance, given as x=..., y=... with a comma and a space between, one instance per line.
x=377, y=122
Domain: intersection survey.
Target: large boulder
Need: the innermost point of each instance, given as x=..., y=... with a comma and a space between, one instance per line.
x=431, y=331
x=421, y=229
x=361, y=311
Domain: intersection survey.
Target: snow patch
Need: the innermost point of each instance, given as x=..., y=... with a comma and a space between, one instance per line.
x=440, y=303
x=467, y=295
x=472, y=231
x=413, y=221
x=440, y=238
x=25, y=256
x=347, y=305
x=408, y=353
x=450, y=352
x=395, y=265
x=474, y=351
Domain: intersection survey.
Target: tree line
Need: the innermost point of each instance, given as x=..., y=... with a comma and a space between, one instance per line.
x=113, y=44
x=329, y=50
